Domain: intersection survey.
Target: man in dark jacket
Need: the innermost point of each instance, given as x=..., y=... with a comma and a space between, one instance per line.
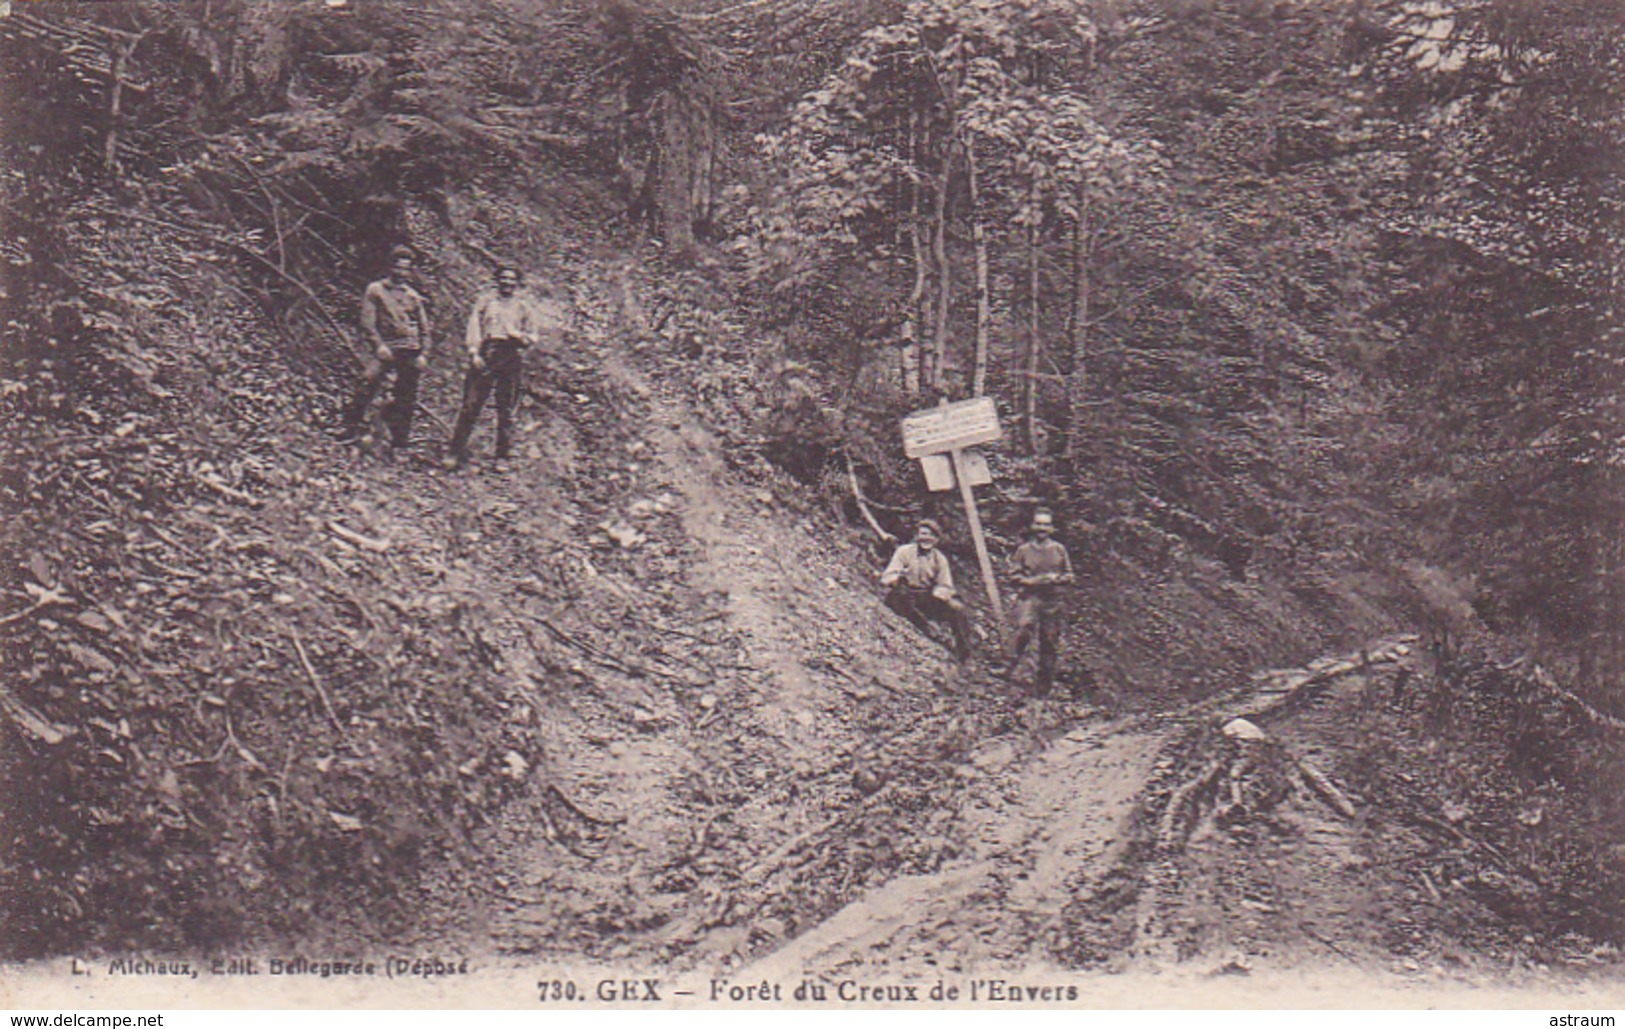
x=395, y=328
x=920, y=587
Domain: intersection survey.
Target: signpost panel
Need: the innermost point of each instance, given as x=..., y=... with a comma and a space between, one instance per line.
x=939, y=470
x=938, y=430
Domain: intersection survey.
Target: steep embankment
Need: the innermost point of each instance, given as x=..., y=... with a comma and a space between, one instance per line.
x=267, y=683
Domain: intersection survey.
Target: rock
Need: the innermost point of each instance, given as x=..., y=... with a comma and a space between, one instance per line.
x=624, y=535
x=1242, y=729
x=707, y=701
x=1237, y=965
x=514, y=766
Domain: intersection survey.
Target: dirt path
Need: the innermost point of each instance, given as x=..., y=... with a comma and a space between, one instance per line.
x=1041, y=827
x=754, y=663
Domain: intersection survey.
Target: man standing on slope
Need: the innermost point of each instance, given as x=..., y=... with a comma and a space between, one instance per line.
x=920, y=587
x=503, y=323
x=395, y=327
x=1040, y=567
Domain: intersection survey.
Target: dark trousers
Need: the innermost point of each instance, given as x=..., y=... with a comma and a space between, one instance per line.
x=1040, y=617
x=503, y=365
x=921, y=608
x=403, y=401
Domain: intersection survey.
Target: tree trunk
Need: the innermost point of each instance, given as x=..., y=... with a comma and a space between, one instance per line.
x=115, y=105
x=979, y=241
x=913, y=322
x=914, y=329
x=1077, y=393
x=682, y=150
x=939, y=254
x=1029, y=405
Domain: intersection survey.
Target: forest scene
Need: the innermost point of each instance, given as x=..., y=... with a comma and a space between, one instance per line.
x=1300, y=319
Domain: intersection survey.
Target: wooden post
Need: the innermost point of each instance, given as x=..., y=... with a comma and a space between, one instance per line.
x=975, y=519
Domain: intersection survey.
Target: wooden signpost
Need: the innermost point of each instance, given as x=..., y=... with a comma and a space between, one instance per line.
x=949, y=429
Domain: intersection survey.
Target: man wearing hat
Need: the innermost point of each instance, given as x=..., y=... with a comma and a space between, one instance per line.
x=395, y=327
x=1040, y=567
x=503, y=323
x=920, y=587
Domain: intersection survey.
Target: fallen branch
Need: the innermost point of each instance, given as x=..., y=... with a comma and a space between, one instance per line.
x=43, y=603
x=576, y=810
x=1545, y=681
x=1309, y=931
x=331, y=323
x=609, y=660
x=227, y=490
x=1168, y=826
x=315, y=680
x=32, y=722
x=243, y=752
x=168, y=569
x=1327, y=789
x=862, y=502
x=349, y=535
x=757, y=873
x=1279, y=688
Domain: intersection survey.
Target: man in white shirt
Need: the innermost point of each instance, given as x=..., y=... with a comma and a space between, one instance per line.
x=503, y=323
x=920, y=587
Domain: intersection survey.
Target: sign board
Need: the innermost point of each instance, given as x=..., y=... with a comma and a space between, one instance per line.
x=938, y=430
x=939, y=471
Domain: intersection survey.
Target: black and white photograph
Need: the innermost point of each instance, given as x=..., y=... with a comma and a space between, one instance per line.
x=587, y=505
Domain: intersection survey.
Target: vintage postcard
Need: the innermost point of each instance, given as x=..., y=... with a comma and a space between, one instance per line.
x=826, y=504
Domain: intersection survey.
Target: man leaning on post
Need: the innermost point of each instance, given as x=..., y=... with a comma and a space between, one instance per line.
x=920, y=587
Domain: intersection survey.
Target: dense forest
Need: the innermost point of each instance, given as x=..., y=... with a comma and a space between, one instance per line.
x=1302, y=316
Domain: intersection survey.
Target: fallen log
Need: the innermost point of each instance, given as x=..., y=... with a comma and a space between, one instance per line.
x=1169, y=826
x=1545, y=681
x=1327, y=789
